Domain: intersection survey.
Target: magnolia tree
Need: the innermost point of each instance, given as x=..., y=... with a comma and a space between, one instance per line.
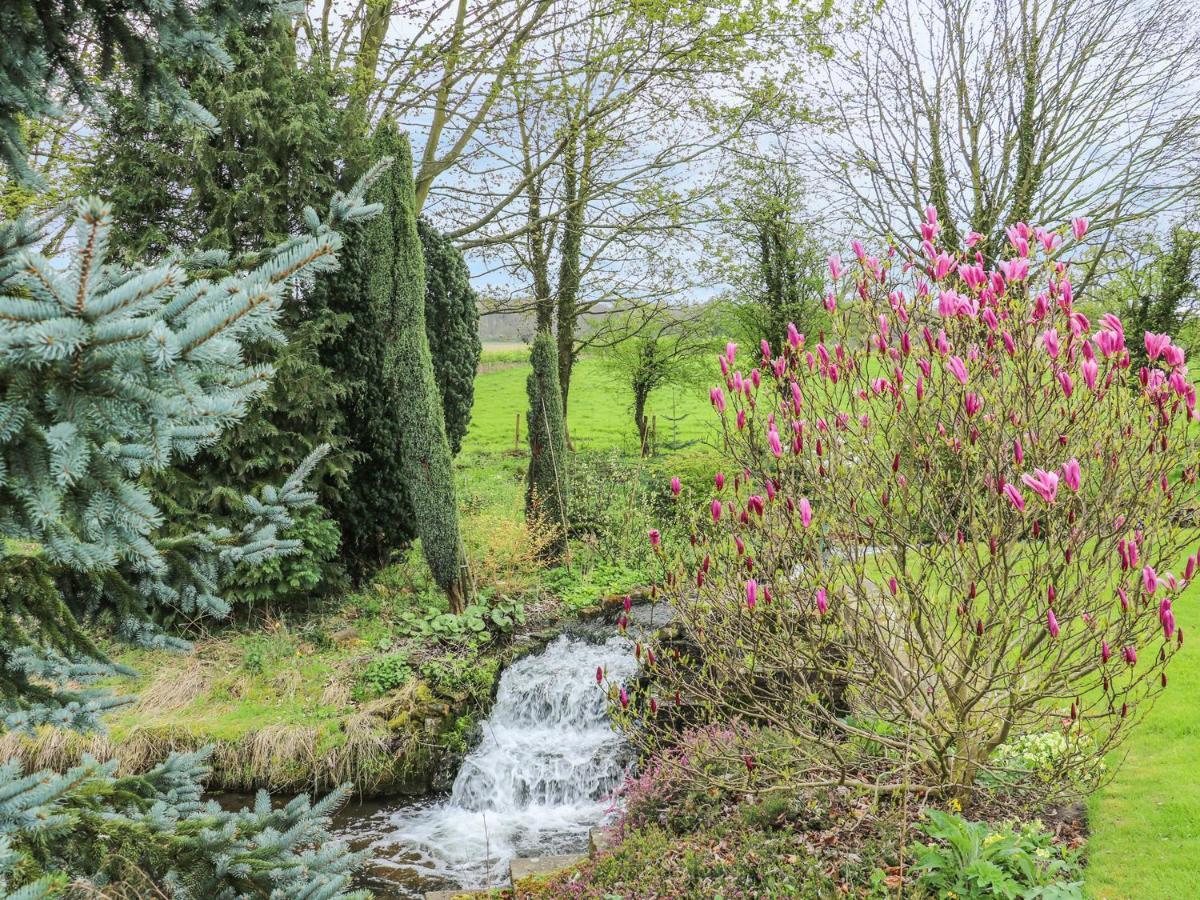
x=949, y=524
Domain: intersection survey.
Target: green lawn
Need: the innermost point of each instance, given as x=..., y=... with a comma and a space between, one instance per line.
x=1145, y=840
x=599, y=415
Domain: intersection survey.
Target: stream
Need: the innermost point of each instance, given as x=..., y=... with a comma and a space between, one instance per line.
x=540, y=778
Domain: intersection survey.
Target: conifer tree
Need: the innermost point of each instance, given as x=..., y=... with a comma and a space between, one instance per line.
x=52, y=48
x=275, y=150
x=452, y=326
x=545, y=487
x=398, y=275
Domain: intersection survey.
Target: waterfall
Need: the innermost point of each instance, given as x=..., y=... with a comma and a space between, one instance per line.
x=537, y=782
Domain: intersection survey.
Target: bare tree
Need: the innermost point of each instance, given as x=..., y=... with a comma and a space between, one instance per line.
x=615, y=144
x=997, y=111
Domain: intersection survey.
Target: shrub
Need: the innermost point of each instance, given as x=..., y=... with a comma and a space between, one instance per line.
x=978, y=860
x=297, y=577
x=901, y=640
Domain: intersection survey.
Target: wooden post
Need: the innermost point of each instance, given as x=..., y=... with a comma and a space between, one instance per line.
x=517, y=436
x=654, y=435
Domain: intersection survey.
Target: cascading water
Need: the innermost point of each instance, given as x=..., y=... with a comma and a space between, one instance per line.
x=538, y=780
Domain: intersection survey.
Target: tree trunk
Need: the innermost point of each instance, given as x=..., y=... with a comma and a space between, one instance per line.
x=639, y=417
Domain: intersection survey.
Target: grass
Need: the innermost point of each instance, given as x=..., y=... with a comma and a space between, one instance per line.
x=599, y=415
x=1145, y=825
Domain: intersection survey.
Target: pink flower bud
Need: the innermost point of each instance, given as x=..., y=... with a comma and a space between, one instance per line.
x=676, y=486
x=806, y=512
x=1051, y=623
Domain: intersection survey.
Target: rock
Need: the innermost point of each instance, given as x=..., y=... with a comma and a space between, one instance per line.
x=541, y=866
x=454, y=895
x=600, y=839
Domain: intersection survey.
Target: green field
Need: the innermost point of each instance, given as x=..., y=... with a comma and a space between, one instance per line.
x=599, y=415
x=1145, y=825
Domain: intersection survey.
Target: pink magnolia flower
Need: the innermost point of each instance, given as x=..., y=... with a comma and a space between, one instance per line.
x=1149, y=579
x=1130, y=654
x=1051, y=623
x=1071, y=473
x=974, y=238
x=806, y=512
x=624, y=695
x=716, y=510
x=795, y=338
x=1079, y=227
x=822, y=601
x=676, y=486
x=717, y=396
x=972, y=403
x=773, y=441
x=1043, y=483
x=1050, y=340
x=1014, y=496
x=719, y=480
x=1105, y=652
x=1065, y=382
x=1156, y=344
x=835, y=267
x=956, y=367
x=655, y=537
x=893, y=586
x=1090, y=369
x=599, y=674
x=751, y=593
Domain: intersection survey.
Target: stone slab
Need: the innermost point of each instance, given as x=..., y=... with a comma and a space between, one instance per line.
x=600, y=839
x=531, y=866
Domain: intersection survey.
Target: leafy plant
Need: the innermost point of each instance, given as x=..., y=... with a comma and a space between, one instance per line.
x=970, y=860
x=477, y=621
x=385, y=673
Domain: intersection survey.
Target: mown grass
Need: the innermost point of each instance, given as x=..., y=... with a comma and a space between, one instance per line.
x=1145, y=825
x=599, y=414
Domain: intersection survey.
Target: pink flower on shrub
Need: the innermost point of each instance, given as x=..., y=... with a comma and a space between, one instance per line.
x=1051, y=623
x=1050, y=341
x=835, y=267
x=716, y=510
x=1156, y=344
x=1149, y=579
x=1130, y=654
x=956, y=367
x=1089, y=369
x=676, y=486
x=655, y=537
x=1079, y=227
x=806, y=512
x=822, y=601
x=751, y=593
x=1014, y=497
x=773, y=441
x=1043, y=483
x=1071, y=474
x=1105, y=652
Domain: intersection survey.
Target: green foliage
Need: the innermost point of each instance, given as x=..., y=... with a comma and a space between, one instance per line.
x=275, y=152
x=398, y=282
x=385, y=673
x=1162, y=297
x=111, y=377
x=452, y=328
x=60, y=44
x=545, y=486
x=298, y=577
x=463, y=677
x=165, y=834
x=972, y=860
x=1047, y=756
x=580, y=587
x=477, y=622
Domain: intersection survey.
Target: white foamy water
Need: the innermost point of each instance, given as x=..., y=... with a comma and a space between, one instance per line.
x=539, y=779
